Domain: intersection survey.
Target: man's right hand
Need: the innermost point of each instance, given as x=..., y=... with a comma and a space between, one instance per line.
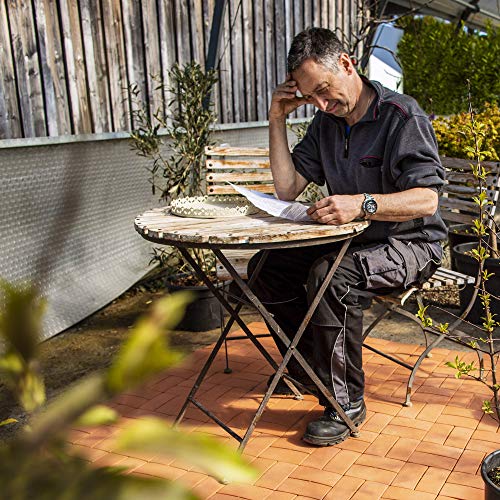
x=285, y=100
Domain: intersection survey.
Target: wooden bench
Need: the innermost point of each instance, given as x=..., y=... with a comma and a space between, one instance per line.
x=250, y=167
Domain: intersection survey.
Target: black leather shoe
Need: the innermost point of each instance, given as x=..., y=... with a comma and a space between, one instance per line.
x=330, y=429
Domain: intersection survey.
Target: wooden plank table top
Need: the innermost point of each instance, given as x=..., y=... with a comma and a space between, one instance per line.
x=259, y=230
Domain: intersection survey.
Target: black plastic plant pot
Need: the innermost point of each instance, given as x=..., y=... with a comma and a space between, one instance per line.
x=467, y=265
x=204, y=313
x=458, y=234
x=491, y=490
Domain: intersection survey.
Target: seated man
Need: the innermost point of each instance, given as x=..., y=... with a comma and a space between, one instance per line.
x=377, y=153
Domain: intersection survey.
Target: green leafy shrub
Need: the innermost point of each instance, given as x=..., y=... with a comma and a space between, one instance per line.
x=437, y=60
x=454, y=142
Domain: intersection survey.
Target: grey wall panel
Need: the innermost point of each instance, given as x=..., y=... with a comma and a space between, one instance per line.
x=66, y=224
x=66, y=218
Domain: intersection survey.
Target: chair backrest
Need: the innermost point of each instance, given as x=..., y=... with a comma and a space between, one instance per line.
x=456, y=204
x=248, y=167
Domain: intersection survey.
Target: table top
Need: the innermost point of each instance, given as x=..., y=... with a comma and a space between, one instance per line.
x=256, y=231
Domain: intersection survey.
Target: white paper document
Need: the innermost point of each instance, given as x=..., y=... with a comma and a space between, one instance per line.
x=291, y=210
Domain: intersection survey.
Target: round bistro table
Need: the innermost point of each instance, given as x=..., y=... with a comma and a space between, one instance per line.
x=253, y=232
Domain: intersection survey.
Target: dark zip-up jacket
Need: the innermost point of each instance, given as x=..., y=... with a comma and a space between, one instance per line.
x=391, y=149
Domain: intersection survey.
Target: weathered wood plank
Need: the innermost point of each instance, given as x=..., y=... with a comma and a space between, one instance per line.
x=152, y=50
x=270, y=65
x=27, y=64
x=281, y=48
x=97, y=66
x=52, y=67
x=249, y=61
x=230, y=151
x=115, y=56
x=166, y=32
x=262, y=188
x=75, y=67
x=238, y=76
x=196, y=31
x=132, y=31
x=10, y=121
x=225, y=70
x=212, y=164
x=239, y=177
x=260, y=73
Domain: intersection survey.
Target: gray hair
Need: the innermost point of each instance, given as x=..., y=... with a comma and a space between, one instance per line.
x=319, y=44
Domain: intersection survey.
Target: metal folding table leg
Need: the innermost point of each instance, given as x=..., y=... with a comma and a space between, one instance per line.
x=290, y=345
x=215, y=350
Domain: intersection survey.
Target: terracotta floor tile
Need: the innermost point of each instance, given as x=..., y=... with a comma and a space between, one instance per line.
x=398, y=493
x=462, y=492
x=159, y=470
x=438, y=433
x=433, y=479
x=281, y=495
x=385, y=463
x=109, y=460
x=381, y=407
x=305, y=488
x=381, y=445
x=431, y=412
x=412, y=423
x=354, y=444
x=441, y=450
x=403, y=448
x=369, y=490
x=432, y=460
x=320, y=456
x=409, y=476
x=345, y=488
x=484, y=446
x=459, y=437
x=376, y=422
x=258, y=443
x=245, y=491
x=411, y=411
x=469, y=461
x=283, y=455
x=458, y=421
x=404, y=432
x=341, y=462
x=209, y=486
x=315, y=475
x=465, y=479
x=275, y=475
x=371, y=473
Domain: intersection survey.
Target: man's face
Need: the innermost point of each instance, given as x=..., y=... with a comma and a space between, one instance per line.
x=331, y=92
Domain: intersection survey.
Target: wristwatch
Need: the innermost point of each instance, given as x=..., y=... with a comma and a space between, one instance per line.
x=369, y=205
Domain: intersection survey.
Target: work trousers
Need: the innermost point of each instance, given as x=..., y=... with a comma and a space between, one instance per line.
x=332, y=342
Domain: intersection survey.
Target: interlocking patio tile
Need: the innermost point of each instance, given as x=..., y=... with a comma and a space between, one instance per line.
x=433, y=479
x=430, y=450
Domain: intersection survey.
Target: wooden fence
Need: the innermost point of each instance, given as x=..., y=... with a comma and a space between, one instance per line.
x=66, y=65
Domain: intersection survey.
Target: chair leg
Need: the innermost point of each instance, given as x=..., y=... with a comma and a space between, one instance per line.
x=416, y=366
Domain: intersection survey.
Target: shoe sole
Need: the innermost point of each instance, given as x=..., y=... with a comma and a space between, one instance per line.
x=338, y=439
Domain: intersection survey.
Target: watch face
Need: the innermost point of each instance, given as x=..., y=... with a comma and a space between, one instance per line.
x=370, y=206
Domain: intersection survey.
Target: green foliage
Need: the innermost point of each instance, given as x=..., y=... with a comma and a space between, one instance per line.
x=456, y=140
x=188, y=128
x=437, y=60
x=461, y=367
x=37, y=463
x=152, y=435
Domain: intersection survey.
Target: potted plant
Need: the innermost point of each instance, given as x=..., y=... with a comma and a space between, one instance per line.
x=484, y=339
x=175, y=143
x=453, y=140
x=490, y=472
